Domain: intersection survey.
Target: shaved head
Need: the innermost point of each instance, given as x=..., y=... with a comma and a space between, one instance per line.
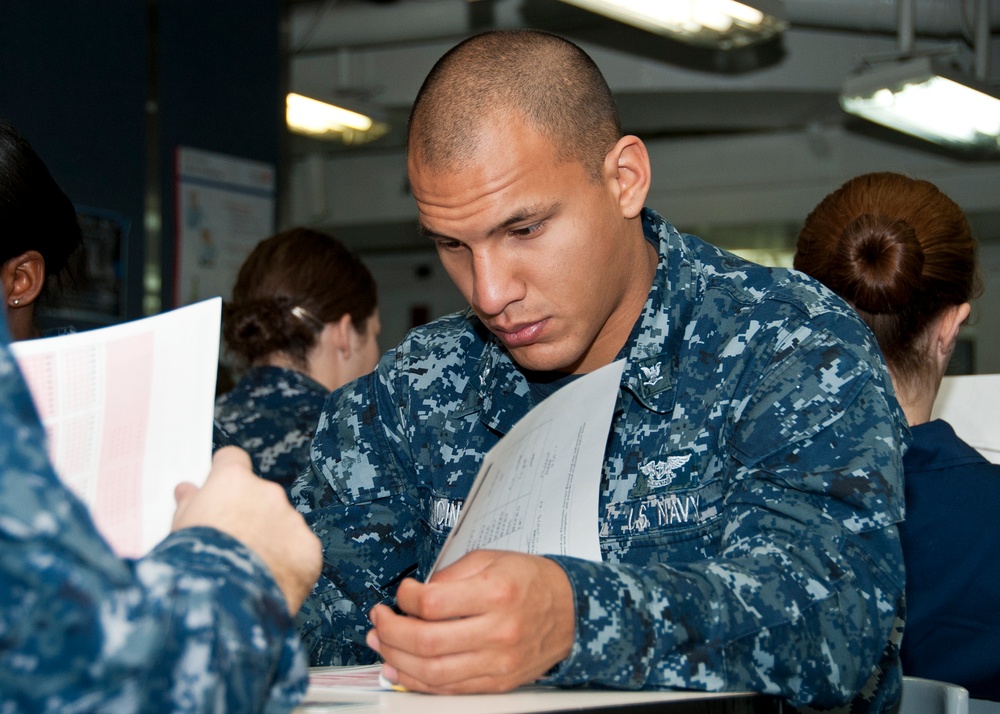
x=538, y=77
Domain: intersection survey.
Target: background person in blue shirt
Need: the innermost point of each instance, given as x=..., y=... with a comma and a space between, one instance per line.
x=203, y=623
x=901, y=252
x=303, y=320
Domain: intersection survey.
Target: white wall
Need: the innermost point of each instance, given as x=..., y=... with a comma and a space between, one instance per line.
x=986, y=325
x=765, y=177
x=408, y=281
x=774, y=177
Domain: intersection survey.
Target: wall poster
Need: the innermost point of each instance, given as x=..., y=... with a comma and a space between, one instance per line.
x=224, y=207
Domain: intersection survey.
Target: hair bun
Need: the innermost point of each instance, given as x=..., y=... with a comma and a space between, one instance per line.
x=879, y=264
x=257, y=328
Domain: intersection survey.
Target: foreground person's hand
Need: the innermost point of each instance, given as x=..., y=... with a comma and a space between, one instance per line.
x=257, y=513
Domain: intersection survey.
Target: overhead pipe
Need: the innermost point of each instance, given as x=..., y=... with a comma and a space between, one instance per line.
x=358, y=24
x=981, y=40
x=906, y=23
x=326, y=25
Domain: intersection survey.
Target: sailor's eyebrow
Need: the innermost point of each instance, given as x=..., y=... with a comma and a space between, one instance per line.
x=521, y=215
x=425, y=232
x=525, y=214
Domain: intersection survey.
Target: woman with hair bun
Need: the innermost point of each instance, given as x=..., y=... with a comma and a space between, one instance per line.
x=38, y=231
x=304, y=320
x=902, y=254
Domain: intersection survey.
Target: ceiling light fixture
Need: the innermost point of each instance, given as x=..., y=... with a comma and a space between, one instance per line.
x=917, y=94
x=312, y=117
x=722, y=24
x=918, y=98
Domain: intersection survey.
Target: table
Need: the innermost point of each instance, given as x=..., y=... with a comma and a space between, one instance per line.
x=540, y=699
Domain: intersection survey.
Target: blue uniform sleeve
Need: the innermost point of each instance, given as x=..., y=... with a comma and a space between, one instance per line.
x=807, y=588
x=198, y=625
x=367, y=524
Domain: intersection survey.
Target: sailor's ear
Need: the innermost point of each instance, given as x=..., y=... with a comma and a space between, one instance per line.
x=627, y=170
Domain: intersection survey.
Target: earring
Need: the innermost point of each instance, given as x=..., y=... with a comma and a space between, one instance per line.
x=16, y=301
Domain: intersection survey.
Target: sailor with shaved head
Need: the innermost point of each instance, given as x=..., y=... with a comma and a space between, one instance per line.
x=751, y=478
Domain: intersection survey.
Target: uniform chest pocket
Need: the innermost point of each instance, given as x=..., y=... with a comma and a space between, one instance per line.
x=664, y=526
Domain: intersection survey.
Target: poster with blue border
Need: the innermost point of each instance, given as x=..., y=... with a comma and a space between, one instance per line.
x=224, y=207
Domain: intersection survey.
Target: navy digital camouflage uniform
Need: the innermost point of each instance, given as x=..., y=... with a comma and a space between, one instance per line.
x=198, y=625
x=272, y=414
x=749, y=496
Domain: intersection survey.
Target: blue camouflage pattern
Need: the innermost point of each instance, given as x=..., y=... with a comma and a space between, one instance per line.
x=749, y=496
x=272, y=414
x=198, y=625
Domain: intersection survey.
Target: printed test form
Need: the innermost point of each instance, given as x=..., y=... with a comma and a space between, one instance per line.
x=537, y=490
x=128, y=411
x=969, y=404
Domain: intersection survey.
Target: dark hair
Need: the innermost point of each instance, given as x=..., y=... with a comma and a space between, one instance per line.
x=539, y=76
x=35, y=214
x=899, y=250
x=290, y=285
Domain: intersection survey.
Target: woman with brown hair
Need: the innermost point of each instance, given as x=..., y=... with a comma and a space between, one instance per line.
x=304, y=320
x=902, y=254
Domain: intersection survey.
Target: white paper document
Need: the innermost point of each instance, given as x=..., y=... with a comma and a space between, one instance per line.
x=362, y=677
x=969, y=403
x=537, y=490
x=128, y=413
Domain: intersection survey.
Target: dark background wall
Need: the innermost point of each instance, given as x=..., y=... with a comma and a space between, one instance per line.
x=78, y=76
x=220, y=89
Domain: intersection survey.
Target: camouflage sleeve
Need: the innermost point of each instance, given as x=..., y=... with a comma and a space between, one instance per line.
x=806, y=594
x=230, y=620
x=198, y=625
x=367, y=523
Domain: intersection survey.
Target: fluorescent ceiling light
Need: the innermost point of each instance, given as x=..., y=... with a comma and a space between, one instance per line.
x=716, y=23
x=913, y=97
x=312, y=117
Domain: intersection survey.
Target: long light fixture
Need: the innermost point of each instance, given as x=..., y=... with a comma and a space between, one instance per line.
x=915, y=97
x=305, y=115
x=723, y=24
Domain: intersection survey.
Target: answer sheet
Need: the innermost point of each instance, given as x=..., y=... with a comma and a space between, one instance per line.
x=128, y=412
x=537, y=490
x=969, y=404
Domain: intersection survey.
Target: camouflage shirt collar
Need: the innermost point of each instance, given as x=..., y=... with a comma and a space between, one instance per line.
x=272, y=374
x=505, y=396
x=652, y=348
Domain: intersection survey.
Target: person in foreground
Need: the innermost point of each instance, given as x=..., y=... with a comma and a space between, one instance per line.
x=202, y=623
x=38, y=232
x=751, y=482
x=304, y=318
x=902, y=254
